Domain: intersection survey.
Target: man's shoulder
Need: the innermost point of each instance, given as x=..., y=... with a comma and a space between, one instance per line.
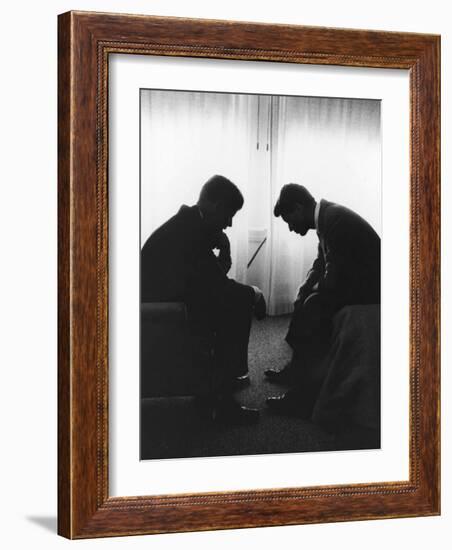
x=341, y=220
x=333, y=212
x=332, y=209
x=178, y=226
x=186, y=215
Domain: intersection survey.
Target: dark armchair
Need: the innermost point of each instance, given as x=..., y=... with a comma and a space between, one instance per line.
x=176, y=355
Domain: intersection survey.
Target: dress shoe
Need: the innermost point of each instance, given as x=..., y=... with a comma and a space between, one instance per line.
x=231, y=413
x=290, y=404
x=282, y=376
x=241, y=382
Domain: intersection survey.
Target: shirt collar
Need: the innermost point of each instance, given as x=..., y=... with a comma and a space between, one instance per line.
x=316, y=216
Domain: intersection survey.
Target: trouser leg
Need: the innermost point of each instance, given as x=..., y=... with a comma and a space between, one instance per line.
x=309, y=333
x=229, y=329
x=231, y=343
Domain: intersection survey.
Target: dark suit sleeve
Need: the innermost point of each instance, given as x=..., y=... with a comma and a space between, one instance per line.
x=211, y=286
x=315, y=274
x=337, y=244
x=317, y=269
x=352, y=261
x=332, y=265
x=224, y=260
x=343, y=245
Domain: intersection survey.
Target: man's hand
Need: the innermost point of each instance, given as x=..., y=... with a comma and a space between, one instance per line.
x=303, y=293
x=221, y=242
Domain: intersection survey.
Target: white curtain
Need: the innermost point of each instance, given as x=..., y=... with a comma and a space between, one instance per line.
x=330, y=145
x=187, y=137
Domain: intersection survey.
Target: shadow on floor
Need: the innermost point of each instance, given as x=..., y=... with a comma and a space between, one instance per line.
x=49, y=523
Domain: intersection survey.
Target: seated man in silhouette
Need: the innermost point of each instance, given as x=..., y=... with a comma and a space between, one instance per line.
x=178, y=263
x=345, y=272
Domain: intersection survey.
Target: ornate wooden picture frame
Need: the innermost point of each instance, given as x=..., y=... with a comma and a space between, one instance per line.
x=86, y=40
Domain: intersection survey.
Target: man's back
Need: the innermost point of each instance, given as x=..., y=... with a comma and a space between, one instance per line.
x=169, y=255
x=352, y=247
x=178, y=264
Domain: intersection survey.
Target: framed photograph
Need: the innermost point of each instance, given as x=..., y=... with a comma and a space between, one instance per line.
x=248, y=275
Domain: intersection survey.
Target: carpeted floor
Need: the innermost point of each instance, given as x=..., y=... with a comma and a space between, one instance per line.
x=172, y=427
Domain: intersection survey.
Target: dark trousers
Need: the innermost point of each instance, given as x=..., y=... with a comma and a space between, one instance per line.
x=229, y=329
x=309, y=334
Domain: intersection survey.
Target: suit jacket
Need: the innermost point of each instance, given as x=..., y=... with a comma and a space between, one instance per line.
x=348, y=260
x=178, y=264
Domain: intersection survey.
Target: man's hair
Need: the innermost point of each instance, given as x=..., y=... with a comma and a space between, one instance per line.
x=292, y=194
x=220, y=189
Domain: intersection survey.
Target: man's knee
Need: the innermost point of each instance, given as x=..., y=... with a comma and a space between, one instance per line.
x=317, y=310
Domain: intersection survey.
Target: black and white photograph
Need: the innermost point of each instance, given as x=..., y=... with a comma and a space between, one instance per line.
x=224, y=237
x=260, y=228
